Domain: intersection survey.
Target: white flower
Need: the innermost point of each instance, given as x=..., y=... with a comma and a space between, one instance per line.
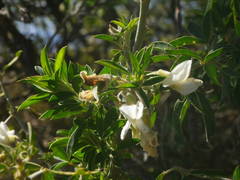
x=89, y=95
x=135, y=114
x=178, y=79
x=6, y=136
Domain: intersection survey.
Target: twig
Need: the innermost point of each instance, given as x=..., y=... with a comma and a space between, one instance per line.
x=141, y=24
x=12, y=111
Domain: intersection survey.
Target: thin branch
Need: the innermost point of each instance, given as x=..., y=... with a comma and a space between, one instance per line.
x=141, y=24
x=12, y=111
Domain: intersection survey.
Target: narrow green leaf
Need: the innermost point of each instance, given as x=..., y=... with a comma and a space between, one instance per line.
x=201, y=104
x=236, y=15
x=143, y=96
x=132, y=23
x=209, y=6
x=236, y=173
x=3, y=167
x=60, y=58
x=71, y=140
x=159, y=58
x=118, y=23
x=153, y=119
x=213, y=54
x=184, y=52
x=18, y=54
x=34, y=99
x=48, y=176
x=184, y=110
x=127, y=85
x=153, y=80
x=105, y=37
x=45, y=62
x=112, y=65
x=185, y=40
x=62, y=141
x=211, y=71
x=161, y=45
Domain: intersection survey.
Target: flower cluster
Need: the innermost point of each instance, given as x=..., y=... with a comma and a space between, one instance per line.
x=131, y=105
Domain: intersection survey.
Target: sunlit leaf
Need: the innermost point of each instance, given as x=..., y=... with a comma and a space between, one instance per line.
x=236, y=173
x=112, y=65
x=185, y=40
x=45, y=62
x=185, y=52
x=60, y=58
x=34, y=99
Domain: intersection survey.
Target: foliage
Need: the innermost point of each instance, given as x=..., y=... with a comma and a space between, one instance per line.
x=169, y=112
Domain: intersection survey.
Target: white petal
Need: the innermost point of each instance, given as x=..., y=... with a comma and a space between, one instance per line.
x=95, y=93
x=125, y=129
x=188, y=86
x=132, y=112
x=160, y=72
x=180, y=73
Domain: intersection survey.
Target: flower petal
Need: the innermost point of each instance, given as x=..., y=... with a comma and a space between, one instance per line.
x=125, y=129
x=95, y=93
x=188, y=86
x=180, y=73
x=132, y=112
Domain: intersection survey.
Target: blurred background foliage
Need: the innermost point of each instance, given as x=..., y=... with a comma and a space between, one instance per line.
x=30, y=25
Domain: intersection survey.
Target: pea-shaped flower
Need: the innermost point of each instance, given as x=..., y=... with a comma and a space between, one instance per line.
x=6, y=136
x=134, y=113
x=178, y=79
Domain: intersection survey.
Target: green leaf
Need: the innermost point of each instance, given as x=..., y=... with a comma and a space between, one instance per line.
x=34, y=99
x=159, y=58
x=211, y=71
x=45, y=62
x=62, y=73
x=161, y=45
x=153, y=80
x=112, y=65
x=132, y=24
x=127, y=85
x=71, y=141
x=236, y=15
x=210, y=4
x=184, y=52
x=60, y=165
x=18, y=54
x=143, y=96
x=213, y=54
x=105, y=37
x=161, y=176
x=48, y=176
x=59, y=142
x=3, y=167
x=60, y=58
x=118, y=23
x=202, y=105
x=58, y=148
x=236, y=173
x=184, y=110
x=153, y=119
x=185, y=40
